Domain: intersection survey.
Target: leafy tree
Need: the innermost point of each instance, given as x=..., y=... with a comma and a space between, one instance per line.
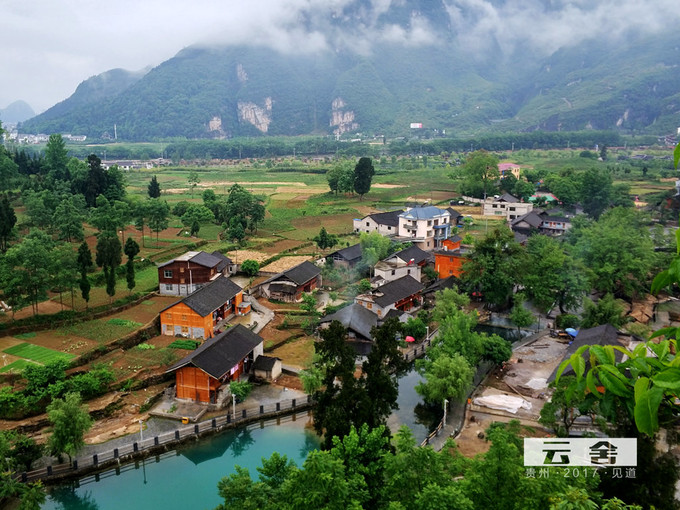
x=84, y=263
x=607, y=310
x=250, y=267
x=564, y=407
x=617, y=251
x=236, y=231
x=154, y=189
x=103, y=216
x=523, y=190
x=197, y=214
x=95, y=183
x=374, y=247
x=241, y=389
x=7, y=221
x=363, y=175
x=520, y=316
x=341, y=177
x=56, y=158
x=551, y=277
x=27, y=268
x=507, y=183
x=68, y=218
x=109, y=256
x=567, y=189
x=40, y=207
x=415, y=327
x=157, y=214
x=596, y=191
x=70, y=420
x=479, y=174
x=494, y=266
x=193, y=182
x=325, y=240
x=140, y=213
x=122, y=212
x=131, y=249
x=181, y=207
x=448, y=302
x=65, y=270
x=447, y=377
x=114, y=189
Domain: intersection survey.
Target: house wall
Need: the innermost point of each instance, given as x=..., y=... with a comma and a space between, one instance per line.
x=194, y=384
x=449, y=264
x=180, y=319
x=183, y=278
x=509, y=210
x=368, y=224
x=390, y=274
x=423, y=232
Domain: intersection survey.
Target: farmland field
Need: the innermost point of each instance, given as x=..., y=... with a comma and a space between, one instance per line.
x=37, y=353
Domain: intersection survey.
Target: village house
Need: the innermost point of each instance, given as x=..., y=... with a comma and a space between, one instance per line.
x=385, y=223
x=200, y=375
x=356, y=319
x=507, y=206
x=289, y=285
x=506, y=169
x=346, y=257
x=191, y=271
x=197, y=315
x=402, y=294
x=538, y=221
x=449, y=259
x=409, y=261
x=426, y=227
x=268, y=368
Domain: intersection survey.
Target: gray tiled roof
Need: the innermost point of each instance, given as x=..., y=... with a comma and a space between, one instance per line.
x=350, y=253
x=302, y=273
x=354, y=317
x=210, y=297
x=220, y=354
x=390, y=218
x=396, y=290
x=224, y=260
x=412, y=252
x=507, y=197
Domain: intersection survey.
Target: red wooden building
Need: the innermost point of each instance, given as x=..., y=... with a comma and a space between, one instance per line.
x=449, y=260
x=191, y=271
x=218, y=361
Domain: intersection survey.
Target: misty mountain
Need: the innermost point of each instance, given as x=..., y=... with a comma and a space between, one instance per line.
x=18, y=111
x=405, y=62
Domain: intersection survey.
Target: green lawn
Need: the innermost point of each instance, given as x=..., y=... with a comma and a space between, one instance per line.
x=100, y=330
x=37, y=353
x=16, y=366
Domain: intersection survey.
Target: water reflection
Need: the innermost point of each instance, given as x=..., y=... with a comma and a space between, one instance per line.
x=217, y=446
x=67, y=498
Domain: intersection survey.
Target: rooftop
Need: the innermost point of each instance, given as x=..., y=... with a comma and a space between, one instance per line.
x=210, y=297
x=424, y=213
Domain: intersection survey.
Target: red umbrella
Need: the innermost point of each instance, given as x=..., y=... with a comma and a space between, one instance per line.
x=409, y=339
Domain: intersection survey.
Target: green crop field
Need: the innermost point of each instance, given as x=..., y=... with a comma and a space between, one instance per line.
x=16, y=366
x=37, y=353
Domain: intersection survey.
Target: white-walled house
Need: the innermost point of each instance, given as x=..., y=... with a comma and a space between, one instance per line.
x=426, y=227
x=386, y=223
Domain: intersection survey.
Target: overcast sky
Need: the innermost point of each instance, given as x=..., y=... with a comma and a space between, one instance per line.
x=49, y=46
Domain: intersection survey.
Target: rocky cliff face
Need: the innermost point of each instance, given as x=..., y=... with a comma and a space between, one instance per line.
x=342, y=119
x=258, y=116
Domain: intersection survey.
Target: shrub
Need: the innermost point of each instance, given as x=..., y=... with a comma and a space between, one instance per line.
x=241, y=389
x=567, y=320
x=185, y=344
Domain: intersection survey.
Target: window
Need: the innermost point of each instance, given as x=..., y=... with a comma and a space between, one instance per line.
x=168, y=286
x=167, y=273
x=181, y=280
x=408, y=271
x=495, y=206
x=429, y=223
x=181, y=269
x=184, y=318
x=512, y=208
x=185, y=330
x=389, y=228
x=369, y=305
x=168, y=315
x=367, y=224
x=393, y=271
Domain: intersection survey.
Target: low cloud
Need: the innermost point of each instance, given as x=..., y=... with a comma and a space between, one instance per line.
x=50, y=46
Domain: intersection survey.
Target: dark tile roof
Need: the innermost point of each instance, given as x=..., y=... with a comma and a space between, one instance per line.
x=210, y=297
x=559, y=219
x=412, y=252
x=396, y=290
x=354, y=317
x=201, y=258
x=220, y=354
x=507, y=197
x=605, y=334
x=444, y=283
x=454, y=214
x=455, y=239
x=224, y=260
x=302, y=273
x=390, y=218
x=532, y=218
x=350, y=253
x=265, y=363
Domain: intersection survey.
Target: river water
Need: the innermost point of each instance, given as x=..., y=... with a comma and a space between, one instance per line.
x=186, y=478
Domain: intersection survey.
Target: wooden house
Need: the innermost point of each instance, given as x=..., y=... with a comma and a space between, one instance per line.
x=449, y=259
x=347, y=257
x=289, y=285
x=191, y=271
x=401, y=294
x=196, y=315
x=220, y=360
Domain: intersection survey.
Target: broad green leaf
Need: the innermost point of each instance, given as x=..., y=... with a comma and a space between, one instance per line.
x=622, y=350
x=613, y=381
x=669, y=379
x=578, y=364
x=590, y=383
x=661, y=281
x=641, y=386
x=560, y=369
x=669, y=331
x=676, y=156
x=647, y=411
x=661, y=349
x=597, y=352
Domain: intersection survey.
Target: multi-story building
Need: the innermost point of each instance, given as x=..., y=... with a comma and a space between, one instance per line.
x=426, y=227
x=191, y=271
